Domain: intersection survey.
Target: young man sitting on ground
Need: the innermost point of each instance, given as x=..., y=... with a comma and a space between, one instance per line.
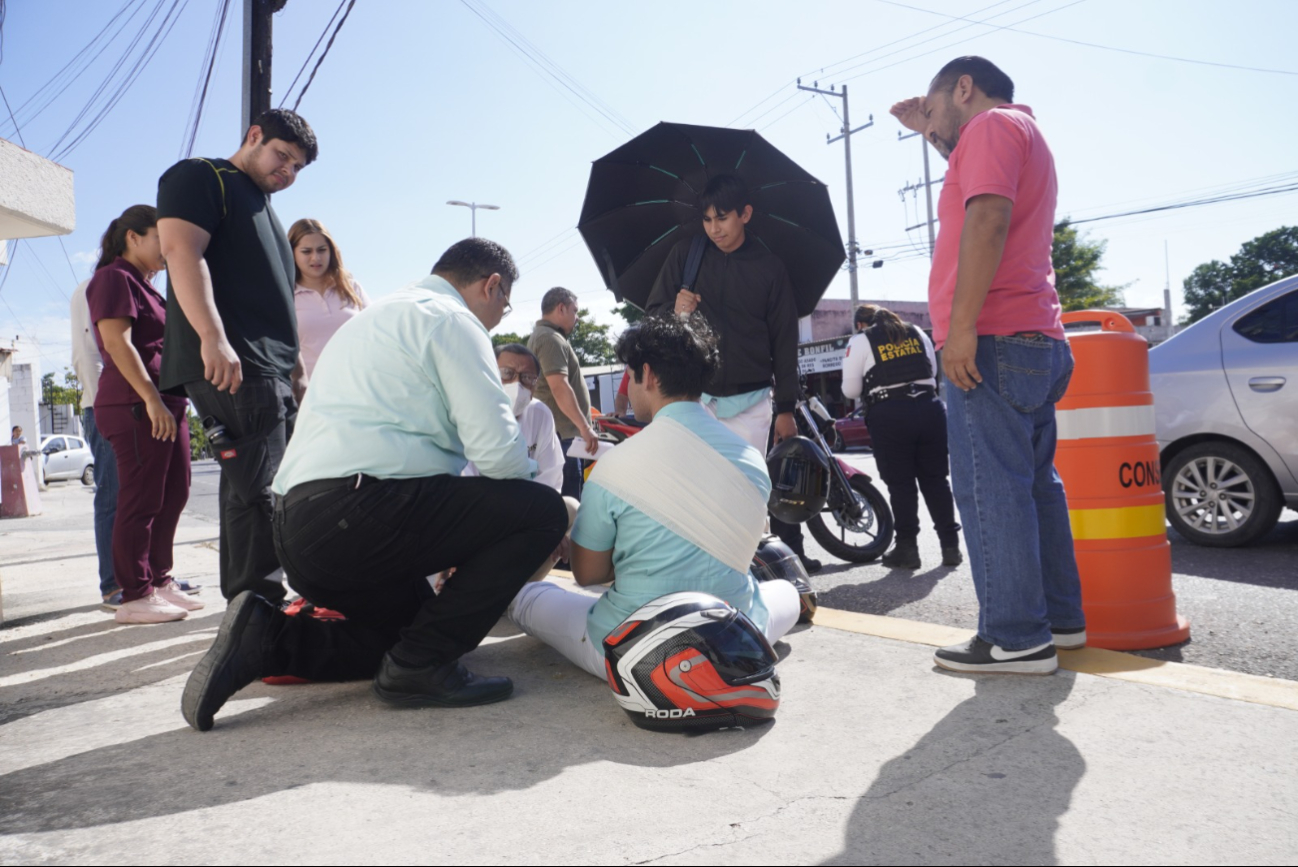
x=679, y=506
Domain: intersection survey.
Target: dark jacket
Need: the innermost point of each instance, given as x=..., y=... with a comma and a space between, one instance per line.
x=748, y=300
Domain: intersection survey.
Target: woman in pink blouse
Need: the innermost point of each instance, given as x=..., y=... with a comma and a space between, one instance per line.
x=326, y=295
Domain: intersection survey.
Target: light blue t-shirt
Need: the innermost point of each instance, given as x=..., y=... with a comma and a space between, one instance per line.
x=729, y=407
x=407, y=388
x=650, y=560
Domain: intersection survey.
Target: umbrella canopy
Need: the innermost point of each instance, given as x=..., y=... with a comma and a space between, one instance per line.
x=643, y=198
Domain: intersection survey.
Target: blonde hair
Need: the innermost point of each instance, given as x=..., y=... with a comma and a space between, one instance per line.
x=872, y=314
x=342, y=280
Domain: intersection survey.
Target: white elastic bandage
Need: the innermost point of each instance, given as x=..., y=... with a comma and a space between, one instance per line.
x=672, y=475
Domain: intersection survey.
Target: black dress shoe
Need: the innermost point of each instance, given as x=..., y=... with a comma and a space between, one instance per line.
x=233, y=661
x=449, y=685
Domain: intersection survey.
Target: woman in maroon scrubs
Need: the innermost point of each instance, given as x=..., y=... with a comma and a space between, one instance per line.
x=147, y=430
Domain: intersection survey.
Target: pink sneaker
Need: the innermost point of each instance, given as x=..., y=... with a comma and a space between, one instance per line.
x=151, y=609
x=171, y=593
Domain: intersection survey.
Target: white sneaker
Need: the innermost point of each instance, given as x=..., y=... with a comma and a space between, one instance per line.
x=171, y=593
x=150, y=609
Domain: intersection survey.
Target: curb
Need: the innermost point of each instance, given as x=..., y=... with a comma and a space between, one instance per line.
x=1217, y=682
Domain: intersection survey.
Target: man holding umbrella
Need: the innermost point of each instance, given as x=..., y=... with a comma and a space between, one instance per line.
x=744, y=292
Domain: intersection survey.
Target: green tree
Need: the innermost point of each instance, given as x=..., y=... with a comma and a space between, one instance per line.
x=508, y=337
x=67, y=393
x=1076, y=262
x=198, y=445
x=1265, y=259
x=590, y=341
x=628, y=311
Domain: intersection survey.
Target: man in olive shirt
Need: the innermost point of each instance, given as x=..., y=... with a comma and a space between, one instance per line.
x=231, y=339
x=561, y=387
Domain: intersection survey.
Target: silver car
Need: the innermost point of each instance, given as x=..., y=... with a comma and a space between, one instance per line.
x=68, y=457
x=1226, y=404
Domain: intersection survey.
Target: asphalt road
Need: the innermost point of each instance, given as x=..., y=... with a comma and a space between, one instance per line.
x=1240, y=603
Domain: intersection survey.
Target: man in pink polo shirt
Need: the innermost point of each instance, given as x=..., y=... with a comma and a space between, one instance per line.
x=996, y=319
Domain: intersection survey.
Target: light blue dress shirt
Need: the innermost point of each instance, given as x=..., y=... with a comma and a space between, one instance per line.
x=650, y=560
x=406, y=389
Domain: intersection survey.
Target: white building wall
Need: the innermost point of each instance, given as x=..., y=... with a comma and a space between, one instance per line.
x=24, y=402
x=5, y=424
x=36, y=197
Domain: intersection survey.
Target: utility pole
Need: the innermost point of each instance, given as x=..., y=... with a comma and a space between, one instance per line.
x=846, y=135
x=928, y=192
x=256, y=58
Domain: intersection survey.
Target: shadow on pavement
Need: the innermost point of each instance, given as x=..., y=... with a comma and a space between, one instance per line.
x=895, y=589
x=1268, y=562
x=558, y=718
x=986, y=785
x=91, y=660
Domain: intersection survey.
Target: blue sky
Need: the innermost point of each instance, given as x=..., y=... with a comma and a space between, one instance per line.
x=419, y=102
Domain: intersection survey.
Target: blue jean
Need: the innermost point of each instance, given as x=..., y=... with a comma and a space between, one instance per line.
x=105, y=500
x=1012, y=503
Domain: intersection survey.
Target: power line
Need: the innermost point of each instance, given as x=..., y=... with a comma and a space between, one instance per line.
x=311, y=53
x=323, y=55
x=140, y=63
x=1194, y=203
x=823, y=70
x=1096, y=44
x=200, y=95
x=18, y=131
x=948, y=44
x=42, y=92
x=549, y=71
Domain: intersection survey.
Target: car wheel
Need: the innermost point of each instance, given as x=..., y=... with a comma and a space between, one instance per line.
x=88, y=475
x=838, y=445
x=1220, y=495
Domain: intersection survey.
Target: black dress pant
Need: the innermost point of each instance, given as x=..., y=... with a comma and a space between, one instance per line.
x=368, y=550
x=909, y=440
x=258, y=420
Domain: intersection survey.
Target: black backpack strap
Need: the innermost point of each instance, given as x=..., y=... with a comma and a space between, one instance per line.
x=693, y=261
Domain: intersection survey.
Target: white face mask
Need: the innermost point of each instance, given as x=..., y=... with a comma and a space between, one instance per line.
x=519, y=397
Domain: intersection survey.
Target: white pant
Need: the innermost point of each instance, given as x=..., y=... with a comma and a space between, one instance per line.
x=557, y=615
x=753, y=425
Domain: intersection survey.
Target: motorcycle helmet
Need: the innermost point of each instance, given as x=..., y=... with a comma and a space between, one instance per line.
x=691, y=662
x=799, y=480
x=775, y=561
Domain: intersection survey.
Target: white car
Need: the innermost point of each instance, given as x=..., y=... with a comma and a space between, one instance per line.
x=1226, y=410
x=67, y=457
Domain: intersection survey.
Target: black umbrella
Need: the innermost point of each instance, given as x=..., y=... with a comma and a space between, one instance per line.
x=643, y=198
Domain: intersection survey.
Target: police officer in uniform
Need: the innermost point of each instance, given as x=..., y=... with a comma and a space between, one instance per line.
x=891, y=363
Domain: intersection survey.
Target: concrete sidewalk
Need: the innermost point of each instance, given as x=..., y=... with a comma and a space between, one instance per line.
x=875, y=756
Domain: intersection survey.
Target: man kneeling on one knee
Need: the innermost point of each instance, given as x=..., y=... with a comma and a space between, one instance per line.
x=679, y=506
x=371, y=502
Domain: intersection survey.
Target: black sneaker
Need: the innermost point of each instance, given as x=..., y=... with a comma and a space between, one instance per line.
x=233, y=661
x=977, y=655
x=951, y=556
x=450, y=685
x=904, y=555
x=1069, y=639
x=812, y=566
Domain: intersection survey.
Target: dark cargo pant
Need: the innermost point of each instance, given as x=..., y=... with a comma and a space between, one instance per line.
x=258, y=421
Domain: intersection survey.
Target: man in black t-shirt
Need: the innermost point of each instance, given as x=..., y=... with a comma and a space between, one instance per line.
x=231, y=337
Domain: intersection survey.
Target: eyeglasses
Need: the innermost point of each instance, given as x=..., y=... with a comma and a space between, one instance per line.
x=508, y=375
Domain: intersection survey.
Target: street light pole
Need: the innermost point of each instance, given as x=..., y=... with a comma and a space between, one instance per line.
x=473, y=208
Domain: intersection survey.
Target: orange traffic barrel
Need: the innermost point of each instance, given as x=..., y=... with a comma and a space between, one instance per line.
x=1108, y=459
